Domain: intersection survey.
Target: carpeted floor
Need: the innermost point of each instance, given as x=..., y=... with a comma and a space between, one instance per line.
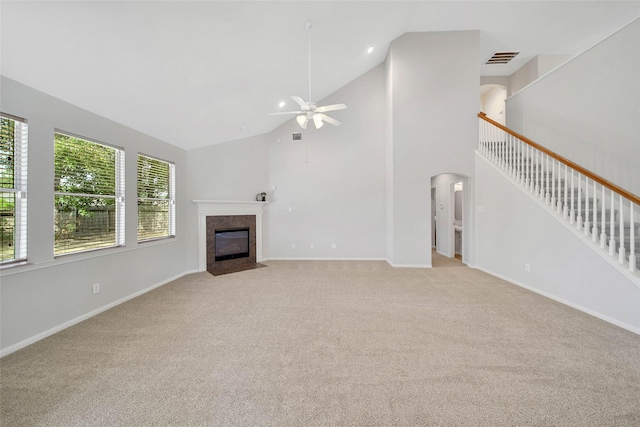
x=323, y=343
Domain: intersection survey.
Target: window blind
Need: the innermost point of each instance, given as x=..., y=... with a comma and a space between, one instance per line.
x=13, y=189
x=156, y=201
x=89, y=195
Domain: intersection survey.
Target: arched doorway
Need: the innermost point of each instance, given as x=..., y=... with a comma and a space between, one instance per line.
x=492, y=97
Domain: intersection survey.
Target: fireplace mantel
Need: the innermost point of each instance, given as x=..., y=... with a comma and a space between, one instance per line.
x=226, y=207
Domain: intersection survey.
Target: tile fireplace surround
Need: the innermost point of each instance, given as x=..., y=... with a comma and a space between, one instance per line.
x=208, y=208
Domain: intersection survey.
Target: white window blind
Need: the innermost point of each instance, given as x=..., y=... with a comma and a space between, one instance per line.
x=156, y=198
x=13, y=189
x=89, y=195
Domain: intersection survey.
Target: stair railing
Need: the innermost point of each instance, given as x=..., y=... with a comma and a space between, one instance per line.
x=603, y=212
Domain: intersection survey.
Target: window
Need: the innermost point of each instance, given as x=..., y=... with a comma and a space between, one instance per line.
x=13, y=189
x=156, y=198
x=89, y=195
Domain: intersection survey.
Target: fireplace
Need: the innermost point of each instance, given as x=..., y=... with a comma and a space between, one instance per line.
x=231, y=243
x=216, y=215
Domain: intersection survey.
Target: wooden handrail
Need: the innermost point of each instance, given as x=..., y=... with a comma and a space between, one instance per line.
x=635, y=199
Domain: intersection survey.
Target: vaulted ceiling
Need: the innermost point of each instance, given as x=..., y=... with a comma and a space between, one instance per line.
x=205, y=72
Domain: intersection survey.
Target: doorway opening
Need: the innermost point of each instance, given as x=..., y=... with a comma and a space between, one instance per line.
x=492, y=102
x=450, y=201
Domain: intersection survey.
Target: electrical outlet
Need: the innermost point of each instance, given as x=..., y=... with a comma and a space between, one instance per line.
x=293, y=246
x=527, y=267
x=312, y=246
x=96, y=288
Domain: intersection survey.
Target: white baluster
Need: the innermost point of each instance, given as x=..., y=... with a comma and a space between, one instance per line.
x=585, y=226
x=541, y=176
x=632, y=241
x=572, y=212
x=565, y=204
x=503, y=156
x=579, y=217
x=603, y=233
x=523, y=165
x=612, y=240
x=547, y=199
x=496, y=147
x=518, y=160
x=558, y=188
x=531, y=177
x=527, y=167
x=507, y=153
x=491, y=154
x=553, y=184
x=534, y=169
x=510, y=151
x=536, y=178
x=621, y=249
x=514, y=171
x=594, y=230
x=486, y=139
x=514, y=159
x=491, y=145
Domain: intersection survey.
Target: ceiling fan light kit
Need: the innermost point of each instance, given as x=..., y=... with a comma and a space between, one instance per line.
x=308, y=109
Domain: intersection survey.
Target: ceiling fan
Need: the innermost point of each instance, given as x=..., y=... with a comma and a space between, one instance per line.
x=309, y=111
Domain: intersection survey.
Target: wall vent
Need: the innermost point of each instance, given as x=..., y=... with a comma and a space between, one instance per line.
x=297, y=136
x=501, y=58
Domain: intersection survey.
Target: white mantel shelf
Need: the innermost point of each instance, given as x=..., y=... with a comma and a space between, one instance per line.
x=221, y=208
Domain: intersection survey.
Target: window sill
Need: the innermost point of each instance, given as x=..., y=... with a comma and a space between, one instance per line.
x=17, y=268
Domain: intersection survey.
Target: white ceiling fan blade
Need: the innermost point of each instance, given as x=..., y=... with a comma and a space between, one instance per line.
x=301, y=103
x=333, y=107
x=304, y=124
x=281, y=113
x=330, y=120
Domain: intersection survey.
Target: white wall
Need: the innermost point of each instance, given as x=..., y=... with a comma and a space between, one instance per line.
x=524, y=75
x=514, y=230
x=333, y=180
x=588, y=109
x=549, y=62
x=435, y=78
x=388, y=158
x=50, y=292
x=536, y=68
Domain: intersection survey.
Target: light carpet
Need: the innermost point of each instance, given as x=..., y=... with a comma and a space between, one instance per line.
x=330, y=343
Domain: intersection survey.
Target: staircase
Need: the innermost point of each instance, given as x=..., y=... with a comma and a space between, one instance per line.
x=602, y=214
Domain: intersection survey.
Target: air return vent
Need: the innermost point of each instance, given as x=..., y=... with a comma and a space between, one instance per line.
x=501, y=58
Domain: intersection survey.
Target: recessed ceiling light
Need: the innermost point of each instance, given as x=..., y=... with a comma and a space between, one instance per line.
x=370, y=49
x=281, y=104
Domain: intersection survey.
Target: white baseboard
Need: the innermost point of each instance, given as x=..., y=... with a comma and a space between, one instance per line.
x=321, y=259
x=350, y=259
x=410, y=265
x=65, y=325
x=566, y=302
